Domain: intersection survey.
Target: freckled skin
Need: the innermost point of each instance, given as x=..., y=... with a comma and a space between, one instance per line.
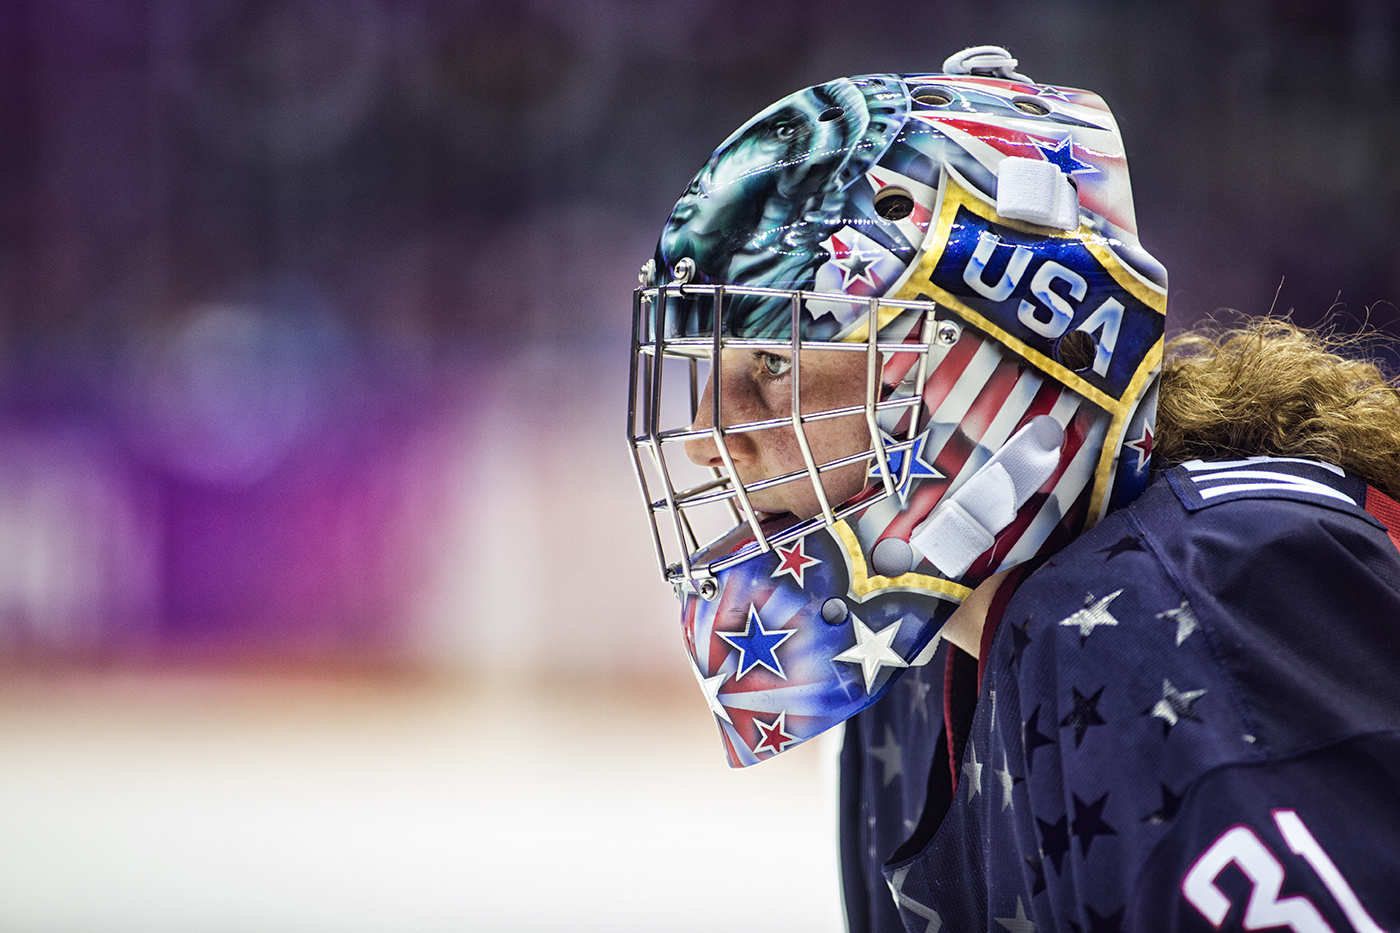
x=757, y=385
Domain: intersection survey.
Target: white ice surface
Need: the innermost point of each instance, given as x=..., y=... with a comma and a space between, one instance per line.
x=182, y=805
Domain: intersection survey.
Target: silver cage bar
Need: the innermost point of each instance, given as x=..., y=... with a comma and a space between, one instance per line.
x=648, y=439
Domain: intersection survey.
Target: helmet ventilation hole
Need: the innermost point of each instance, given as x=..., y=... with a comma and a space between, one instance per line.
x=894, y=203
x=1030, y=105
x=932, y=97
x=1076, y=350
x=831, y=113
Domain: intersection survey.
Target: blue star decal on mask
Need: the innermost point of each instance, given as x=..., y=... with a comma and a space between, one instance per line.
x=1045, y=90
x=918, y=466
x=1062, y=154
x=757, y=645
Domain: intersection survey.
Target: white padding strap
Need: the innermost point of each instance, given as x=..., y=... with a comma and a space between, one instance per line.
x=1036, y=191
x=965, y=524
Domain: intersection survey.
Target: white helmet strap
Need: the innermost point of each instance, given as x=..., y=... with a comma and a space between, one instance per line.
x=965, y=523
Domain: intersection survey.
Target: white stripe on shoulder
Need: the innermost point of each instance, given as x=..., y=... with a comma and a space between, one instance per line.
x=1194, y=465
x=1313, y=489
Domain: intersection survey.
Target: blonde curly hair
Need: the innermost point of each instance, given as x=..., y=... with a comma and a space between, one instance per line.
x=1271, y=387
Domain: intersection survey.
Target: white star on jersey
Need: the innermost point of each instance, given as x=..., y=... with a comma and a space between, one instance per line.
x=890, y=758
x=1093, y=615
x=1185, y=620
x=1008, y=783
x=1018, y=923
x=1175, y=703
x=872, y=650
x=972, y=771
x=921, y=691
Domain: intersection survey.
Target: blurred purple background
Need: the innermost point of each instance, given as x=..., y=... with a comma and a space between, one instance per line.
x=326, y=600
x=312, y=313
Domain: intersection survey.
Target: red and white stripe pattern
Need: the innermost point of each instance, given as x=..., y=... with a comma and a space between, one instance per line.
x=979, y=396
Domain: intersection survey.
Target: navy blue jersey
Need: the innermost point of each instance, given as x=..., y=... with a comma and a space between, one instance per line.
x=1188, y=719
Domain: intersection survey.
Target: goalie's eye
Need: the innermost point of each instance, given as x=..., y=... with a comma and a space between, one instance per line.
x=774, y=366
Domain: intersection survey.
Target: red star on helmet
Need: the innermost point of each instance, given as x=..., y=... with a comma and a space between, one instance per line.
x=774, y=736
x=793, y=561
x=1143, y=445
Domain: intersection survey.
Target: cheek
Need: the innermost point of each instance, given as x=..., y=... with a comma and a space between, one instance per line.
x=834, y=438
x=849, y=435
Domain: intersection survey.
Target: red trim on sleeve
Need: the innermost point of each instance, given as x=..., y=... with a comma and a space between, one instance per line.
x=949, y=724
x=958, y=707
x=1386, y=511
x=994, y=613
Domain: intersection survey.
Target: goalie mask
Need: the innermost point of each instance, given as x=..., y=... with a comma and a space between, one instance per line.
x=898, y=335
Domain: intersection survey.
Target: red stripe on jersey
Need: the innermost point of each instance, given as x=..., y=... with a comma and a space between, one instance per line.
x=995, y=612
x=949, y=724
x=1386, y=511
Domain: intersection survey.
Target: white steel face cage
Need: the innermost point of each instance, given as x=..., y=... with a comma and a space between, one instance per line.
x=694, y=510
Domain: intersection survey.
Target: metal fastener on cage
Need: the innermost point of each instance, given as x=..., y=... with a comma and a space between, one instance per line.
x=683, y=271
x=947, y=333
x=709, y=589
x=647, y=276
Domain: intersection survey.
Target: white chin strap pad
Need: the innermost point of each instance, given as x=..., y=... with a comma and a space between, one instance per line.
x=965, y=524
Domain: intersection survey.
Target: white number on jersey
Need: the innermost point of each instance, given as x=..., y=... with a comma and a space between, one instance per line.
x=1242, y=847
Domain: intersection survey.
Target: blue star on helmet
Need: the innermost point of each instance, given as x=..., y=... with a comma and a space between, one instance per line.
x=1062, y=154
x=918, y=466
x=757, y=645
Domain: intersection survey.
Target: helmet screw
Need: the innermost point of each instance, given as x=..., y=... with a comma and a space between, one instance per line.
x=683, y=271
x=834, y=610
x=892, y=557
x=947, y=333
x=648, y=274
x=709, y=589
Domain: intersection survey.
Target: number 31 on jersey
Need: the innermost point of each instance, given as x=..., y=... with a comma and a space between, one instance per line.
x=1264, y=909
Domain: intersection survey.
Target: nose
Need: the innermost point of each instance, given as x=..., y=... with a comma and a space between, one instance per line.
x=703, y=450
